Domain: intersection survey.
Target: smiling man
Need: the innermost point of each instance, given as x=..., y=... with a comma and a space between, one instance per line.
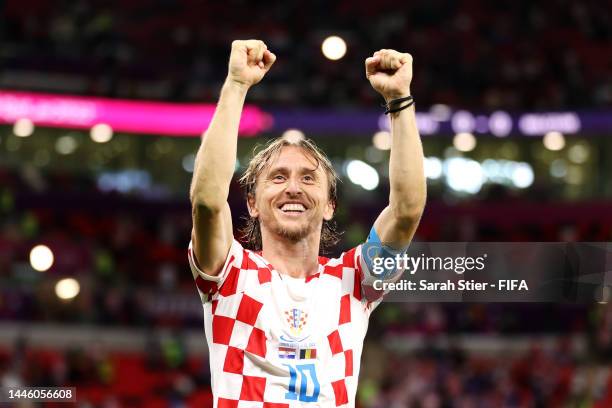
x=285, y=326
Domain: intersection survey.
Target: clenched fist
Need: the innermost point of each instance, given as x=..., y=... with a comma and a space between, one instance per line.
x=249, y=62
x=390, y=73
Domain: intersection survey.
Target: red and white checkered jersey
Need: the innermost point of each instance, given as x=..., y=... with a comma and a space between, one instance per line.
x=282, y=342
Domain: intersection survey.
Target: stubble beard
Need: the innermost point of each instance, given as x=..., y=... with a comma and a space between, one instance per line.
x=293, y=234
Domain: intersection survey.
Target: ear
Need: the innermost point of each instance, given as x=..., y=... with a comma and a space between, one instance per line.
x=328, y=211
x=253, y=212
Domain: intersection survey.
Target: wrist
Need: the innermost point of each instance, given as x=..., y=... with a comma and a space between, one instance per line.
x=396, y=95
x=236, y=85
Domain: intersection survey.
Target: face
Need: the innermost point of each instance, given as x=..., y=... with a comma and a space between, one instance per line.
x=291, y=196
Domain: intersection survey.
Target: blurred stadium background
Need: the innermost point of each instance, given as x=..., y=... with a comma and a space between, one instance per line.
x=515, y=111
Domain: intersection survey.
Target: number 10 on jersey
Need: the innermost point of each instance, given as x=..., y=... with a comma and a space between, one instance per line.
x=305, y=375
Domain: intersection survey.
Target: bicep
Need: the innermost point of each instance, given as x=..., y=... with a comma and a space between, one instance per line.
x=394, y=232
x=212, y=237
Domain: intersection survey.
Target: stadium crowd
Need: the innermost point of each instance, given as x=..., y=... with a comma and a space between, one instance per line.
x=515, y=55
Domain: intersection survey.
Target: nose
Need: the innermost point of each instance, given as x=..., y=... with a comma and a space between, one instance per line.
x=293, y=186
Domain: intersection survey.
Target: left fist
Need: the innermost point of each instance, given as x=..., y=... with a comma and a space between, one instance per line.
x=390, y=73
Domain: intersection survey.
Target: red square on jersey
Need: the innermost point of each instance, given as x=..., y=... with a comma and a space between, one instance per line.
x=340, y=392
x=264, y=275
x=334, y=270
x=252, y=388
x=335, y=344
x=257, y=342
x=222, y=329
x=227, y=403
x=348, y=363
x=248, y=310
x=274, y=405
x=345, y=309
x=230, y=284
x=348, y=259
x=208, y=288
x=234, y=360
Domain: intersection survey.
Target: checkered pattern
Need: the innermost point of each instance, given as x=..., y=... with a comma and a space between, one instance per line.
x=249, y=307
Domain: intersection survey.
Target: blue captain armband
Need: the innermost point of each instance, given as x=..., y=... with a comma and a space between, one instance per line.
x=375, y=256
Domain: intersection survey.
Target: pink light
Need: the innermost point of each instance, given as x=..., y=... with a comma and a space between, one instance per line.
x=122, y=115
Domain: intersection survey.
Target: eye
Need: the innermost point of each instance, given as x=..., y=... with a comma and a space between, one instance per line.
x=308, y=178
x=279, y=178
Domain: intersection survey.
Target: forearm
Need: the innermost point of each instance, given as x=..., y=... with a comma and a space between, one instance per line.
x=216, y=157
x=406, y=173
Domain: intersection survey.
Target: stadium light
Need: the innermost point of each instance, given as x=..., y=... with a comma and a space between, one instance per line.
x=578, y=153
x=464, y=142
x=522, y=175
x=500, y=124
x=433, y=168
x=464, y=175
x=440, y=112
x=101, y=133
x=333, y=48
x=554, y=141
x=463, y=121
x=362, y=174
x=41, y=258
x=558, y=168
x=23, y=127
x=65, y=145
x=189, y=163
x=382, y=140
x=67, y=288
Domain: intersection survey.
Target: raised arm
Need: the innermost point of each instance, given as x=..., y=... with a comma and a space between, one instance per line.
x=390, y=73
x=215, y=161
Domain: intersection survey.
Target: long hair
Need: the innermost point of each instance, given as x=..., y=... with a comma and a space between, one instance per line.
x=251, y=232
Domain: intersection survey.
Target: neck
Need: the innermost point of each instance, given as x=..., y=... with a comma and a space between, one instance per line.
x=297, y=259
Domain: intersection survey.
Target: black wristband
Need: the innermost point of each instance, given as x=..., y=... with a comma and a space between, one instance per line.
x=394, y=105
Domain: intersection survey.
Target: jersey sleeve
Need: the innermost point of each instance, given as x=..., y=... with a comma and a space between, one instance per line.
x=367, y=278
x=209, y=285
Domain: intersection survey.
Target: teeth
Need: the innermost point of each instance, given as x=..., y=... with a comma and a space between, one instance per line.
x=293, y=207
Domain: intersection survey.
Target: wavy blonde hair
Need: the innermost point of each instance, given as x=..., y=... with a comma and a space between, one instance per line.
x=251, y=232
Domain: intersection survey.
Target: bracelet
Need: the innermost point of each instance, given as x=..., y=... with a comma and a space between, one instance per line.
x=394, y=105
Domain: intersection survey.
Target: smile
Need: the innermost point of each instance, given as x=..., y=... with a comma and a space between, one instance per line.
x=292, y=208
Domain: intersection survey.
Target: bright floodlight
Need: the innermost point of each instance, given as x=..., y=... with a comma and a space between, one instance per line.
x=554, y=141
x=101, y=133
x=382, y=140
x=333, y=48
x=464, y=142
x=433, y=168
x=464, y=175
x=500, y=123
x=362, y=174
x=67, y=288
x=522, y=175
x=23, y=127
x=41, y=258
x=293, y=135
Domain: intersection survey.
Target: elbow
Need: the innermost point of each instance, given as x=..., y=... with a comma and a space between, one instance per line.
x=407, y=215
x=408, y=211
x=208, y=196
x=206, y=205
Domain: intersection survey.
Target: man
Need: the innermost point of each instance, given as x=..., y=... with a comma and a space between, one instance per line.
x=285, y=327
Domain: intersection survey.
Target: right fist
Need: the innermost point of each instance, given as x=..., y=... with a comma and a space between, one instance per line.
x=249, y=61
